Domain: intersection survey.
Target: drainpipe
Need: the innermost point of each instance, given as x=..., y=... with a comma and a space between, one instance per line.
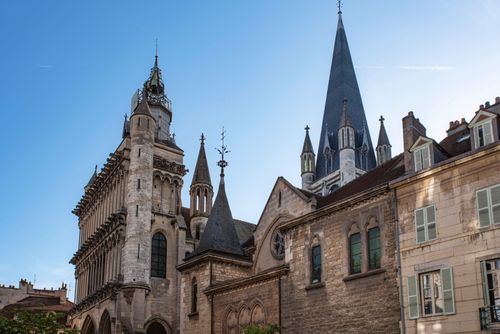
x=279, y=303
x=398, y=262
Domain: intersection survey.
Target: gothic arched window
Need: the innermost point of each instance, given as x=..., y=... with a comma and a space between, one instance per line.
x=355, y=253
x=159, y=256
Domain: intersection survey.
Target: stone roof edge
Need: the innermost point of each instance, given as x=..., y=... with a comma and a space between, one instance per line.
x=331, y=208
x=217, y=256
x=233, y=284
x=446, y=164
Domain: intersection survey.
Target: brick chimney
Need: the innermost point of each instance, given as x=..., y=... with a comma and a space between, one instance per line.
x=412, y=129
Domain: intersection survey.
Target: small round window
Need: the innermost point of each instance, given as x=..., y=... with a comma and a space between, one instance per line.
x=278, y=245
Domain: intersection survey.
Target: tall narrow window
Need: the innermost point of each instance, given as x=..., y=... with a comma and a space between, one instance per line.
x=279, y=199
x=194, y=296
x=138, y=183
x=374, y=253
x=316, y=264
x=355, y=253
x=484, y=135
x=422, y=158
x=197, y=232
x=159, y=256
x=488, y=206
x=425, y=222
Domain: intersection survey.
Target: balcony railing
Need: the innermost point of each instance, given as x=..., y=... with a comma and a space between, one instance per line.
x=489, y=315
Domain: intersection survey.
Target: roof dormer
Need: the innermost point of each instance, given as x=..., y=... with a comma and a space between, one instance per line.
x=483, y=128
x=426, y=152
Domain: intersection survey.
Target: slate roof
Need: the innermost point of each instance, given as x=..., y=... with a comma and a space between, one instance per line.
x=383, y=139
x=201, y=172
x=345, y=119
x=143, y=108
x=154, y=85
x=307, y=147
x=342, y=85
x=244, y=230
x=384, y=173
x=220, y=234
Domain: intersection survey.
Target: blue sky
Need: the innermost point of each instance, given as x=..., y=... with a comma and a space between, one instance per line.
x=260, y=68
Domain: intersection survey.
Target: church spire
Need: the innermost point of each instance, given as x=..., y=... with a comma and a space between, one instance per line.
x=201, y=191
x=307, y=158
x=342, y=85
x=383, y=145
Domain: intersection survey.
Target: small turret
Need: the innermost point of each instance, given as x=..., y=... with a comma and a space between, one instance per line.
x=201, y=193
x=307, y=162
x=383, y=145
x=346, y=138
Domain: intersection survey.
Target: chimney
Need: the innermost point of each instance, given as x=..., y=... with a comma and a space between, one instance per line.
x=412, y=129
x=497, y=99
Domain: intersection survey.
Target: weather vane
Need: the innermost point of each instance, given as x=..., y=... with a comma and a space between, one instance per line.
x=222, y=151
x=339, y=5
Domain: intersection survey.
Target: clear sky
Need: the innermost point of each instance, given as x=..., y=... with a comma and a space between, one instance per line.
x=260, y=68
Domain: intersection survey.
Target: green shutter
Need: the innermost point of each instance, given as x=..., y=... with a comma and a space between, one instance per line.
x=431, y=222
x=483, y=208
x=420, y=225
x=413, y=308
x=484, y=276
x=495, y=203
x=448, y=293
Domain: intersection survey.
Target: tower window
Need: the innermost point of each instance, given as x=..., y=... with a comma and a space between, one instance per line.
x=139, y=153
x=137, y=210
x=159, y=256
x=139, y=122
x=138, y=183
x=194, y=296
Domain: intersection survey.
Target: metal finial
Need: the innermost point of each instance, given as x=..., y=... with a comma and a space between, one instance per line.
x=202, y=138
x=222, y=151
x=339, y=6
x=307, y=128
x=382, y=119
x=156, y=53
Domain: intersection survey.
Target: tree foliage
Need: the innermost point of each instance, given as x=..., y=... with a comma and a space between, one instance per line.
x=34, y=323
x=255, y=329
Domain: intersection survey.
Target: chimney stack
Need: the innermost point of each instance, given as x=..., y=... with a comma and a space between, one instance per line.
x=412, y=129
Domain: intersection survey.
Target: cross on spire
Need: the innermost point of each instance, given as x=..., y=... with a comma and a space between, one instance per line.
x=202, y=138
x=339, y=6
x=307, y=128
x=222, y=151
x=381, y=119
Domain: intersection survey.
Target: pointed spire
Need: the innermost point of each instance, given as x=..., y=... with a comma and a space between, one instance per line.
x=342, y=85
x=201, y=172
x=307, y=147
x=383, y=139
x=220, y=233
x=143, y=108
x=154, y=85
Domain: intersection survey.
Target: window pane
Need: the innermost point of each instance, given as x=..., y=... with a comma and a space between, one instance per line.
x=417, y=156
x=419, y=217
x=421, y=234
x=482, y=199
x=355, y=252
x=431, y=214
x=158, y=255
x=488, y=138
x=374, y=248
x=484, y=217
x=426, y=162
x=496, y=214
x=316, y=264
x=495, y=195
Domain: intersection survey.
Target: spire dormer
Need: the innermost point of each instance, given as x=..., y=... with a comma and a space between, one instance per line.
x=307, y=161
x=383, y=145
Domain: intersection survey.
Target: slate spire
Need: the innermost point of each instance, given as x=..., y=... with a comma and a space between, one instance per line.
x=383, y=139
x=201, y=173
x=154, y=84
x=342, y=85
x=307, y=147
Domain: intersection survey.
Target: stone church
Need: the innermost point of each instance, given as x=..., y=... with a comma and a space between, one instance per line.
x=324, y=257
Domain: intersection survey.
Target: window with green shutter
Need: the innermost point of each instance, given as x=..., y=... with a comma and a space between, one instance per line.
x=413, y=308
x=432, y=291
x=425, y=224
x=488, y=206
x=448, y=293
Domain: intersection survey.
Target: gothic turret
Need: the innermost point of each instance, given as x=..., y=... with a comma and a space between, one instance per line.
x=201, y=193
x=383, y=144
x=347, y=144
x=307, y=162
x=343, y=85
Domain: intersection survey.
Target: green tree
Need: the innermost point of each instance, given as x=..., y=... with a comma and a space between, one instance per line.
x=34, y=323
x=255, y=329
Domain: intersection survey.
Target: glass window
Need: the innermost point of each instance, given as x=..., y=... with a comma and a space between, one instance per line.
x=374, y=253
x=425, y=224
x=159, y=256
x=278, y=245
x=355, y=253
x=316, y=264
x=488, y=206
x=432, y=293
x=484, y=135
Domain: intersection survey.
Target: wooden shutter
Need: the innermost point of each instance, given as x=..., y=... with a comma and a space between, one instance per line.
x=483, y=210
x=413, y=307
x=420, y=225
x=426, y=157
x=417, y=156
x=430, y=220
x=487, y=134
x=448, y=293
x=495, y=204
x=484, y=276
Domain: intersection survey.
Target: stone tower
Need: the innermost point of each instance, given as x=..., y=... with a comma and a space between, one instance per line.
x=383, y=145
x=346, y=144
x=201, y=194
x=307, y=162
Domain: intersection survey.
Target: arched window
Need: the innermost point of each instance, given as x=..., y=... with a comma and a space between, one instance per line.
x=316, y=264
x=374, y=254
x=355, y=253
x=156, y=328
x=194, y=296
x=159, y=256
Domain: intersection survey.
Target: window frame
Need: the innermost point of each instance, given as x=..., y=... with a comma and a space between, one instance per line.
x=482, y=125
x=490, y=206
x=158, y=266
x=194, y=295
x=370, y=249
x=425, y=224
x=360, y=254
x=316, y=268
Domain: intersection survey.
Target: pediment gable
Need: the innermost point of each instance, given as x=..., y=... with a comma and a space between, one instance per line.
x=421, y=141
x=481, y=116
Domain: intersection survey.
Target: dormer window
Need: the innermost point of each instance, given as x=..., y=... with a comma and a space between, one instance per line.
x=483, y=134
x=422, y=157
